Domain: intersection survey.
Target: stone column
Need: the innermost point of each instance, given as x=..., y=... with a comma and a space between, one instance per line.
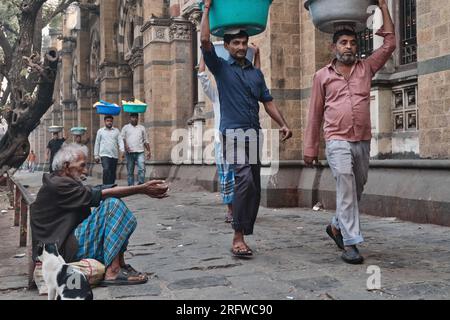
x=109, y=77
x=168, y=79
x=433, y=45
x=197, y=123
x=84, y=88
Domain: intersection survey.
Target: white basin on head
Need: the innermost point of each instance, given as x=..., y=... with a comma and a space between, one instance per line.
x=331, y=15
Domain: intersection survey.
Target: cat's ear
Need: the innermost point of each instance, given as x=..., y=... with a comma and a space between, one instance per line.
x=52, y=248
x=40, y=248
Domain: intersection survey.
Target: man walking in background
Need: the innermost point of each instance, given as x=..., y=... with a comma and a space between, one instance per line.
x=135, y=140
x=108, y=143
x=53, y=147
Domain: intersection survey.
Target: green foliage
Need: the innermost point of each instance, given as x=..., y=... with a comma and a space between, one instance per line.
x=9, y=23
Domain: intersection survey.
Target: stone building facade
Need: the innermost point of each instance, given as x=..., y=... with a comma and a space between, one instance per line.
x=148, y=49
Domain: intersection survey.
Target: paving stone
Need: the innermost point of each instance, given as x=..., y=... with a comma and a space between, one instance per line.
x=150, y=288
x=316, y=284
x=201, y=282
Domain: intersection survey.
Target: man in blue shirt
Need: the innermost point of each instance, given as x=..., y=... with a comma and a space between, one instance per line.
x=241, y=87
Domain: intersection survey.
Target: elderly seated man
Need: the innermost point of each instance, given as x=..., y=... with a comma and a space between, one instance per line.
x=62, y=214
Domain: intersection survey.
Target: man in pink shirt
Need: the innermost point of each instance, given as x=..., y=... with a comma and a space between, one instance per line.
x=340, y=98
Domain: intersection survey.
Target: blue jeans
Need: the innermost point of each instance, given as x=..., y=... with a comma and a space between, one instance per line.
x=132, y=159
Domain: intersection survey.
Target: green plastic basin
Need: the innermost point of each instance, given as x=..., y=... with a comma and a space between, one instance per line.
x=250, y=15
x=135, y=108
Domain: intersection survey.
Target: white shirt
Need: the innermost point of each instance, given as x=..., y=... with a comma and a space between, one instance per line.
x=213, y=95
x=135, y=137
x=108, y=142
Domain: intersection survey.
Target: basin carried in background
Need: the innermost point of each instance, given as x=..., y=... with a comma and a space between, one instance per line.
x=55, y=129
x=331, y=15
x=135, y=106
x=107, y=108
x=78, y=131
x=250, y=15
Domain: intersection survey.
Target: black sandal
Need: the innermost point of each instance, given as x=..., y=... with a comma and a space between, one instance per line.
x=240, y=253
x=132, y=271
x=123, y=279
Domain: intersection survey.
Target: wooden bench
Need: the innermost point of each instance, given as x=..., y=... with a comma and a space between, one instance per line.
x=21, y=203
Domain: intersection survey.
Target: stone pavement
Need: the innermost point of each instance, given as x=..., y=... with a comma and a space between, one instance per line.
x=183, y=243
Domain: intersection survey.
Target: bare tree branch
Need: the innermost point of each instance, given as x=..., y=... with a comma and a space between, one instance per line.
x=6, y=46
x=59, y=9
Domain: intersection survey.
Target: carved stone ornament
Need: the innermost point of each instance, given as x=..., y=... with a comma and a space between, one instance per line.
x=137, y=58
x=180, y=31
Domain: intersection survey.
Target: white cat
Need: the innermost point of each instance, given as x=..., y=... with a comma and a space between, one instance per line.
x=63, y=281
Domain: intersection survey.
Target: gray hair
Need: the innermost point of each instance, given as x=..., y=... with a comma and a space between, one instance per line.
x=69, y=152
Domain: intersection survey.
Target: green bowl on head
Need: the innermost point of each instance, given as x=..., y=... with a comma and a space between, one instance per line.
x=249, y=15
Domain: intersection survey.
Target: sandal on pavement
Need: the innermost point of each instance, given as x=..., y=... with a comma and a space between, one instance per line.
x=132, y=271
x=247, y=252
x=123, y=279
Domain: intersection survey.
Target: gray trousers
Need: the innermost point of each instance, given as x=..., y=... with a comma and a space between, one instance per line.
x=245, y=161
x=349, y=162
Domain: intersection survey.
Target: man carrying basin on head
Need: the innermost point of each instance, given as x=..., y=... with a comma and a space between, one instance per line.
x=340, y=98
x=241, y=87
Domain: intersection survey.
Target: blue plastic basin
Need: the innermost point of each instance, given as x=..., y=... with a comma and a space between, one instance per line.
x=108, y=110
x=250, y=15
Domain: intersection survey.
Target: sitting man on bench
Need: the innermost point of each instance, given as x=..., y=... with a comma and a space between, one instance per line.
x=62, y=214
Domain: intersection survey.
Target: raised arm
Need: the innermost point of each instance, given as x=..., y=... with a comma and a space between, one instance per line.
x=380, y=56
x=205, y=32
x=257, y=57
x=208, y=88
x=387, y=20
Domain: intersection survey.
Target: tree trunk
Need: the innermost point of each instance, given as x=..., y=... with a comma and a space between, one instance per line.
x=25, y=110
x=14, y=146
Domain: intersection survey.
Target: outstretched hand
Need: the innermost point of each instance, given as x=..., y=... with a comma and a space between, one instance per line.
x=155, y=189
x=207, y=3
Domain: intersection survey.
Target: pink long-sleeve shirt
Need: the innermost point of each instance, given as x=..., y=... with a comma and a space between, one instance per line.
x=344, y=104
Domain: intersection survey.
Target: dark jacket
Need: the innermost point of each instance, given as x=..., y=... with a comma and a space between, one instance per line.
x=61, y=205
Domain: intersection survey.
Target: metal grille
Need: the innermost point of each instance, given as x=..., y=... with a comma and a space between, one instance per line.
x=365, y=43
x=408, y=17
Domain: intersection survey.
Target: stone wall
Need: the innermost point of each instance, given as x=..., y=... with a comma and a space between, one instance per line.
x=434, y=77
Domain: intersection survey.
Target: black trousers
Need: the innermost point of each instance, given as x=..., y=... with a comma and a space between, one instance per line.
x=109, y=170
x=247, y=181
